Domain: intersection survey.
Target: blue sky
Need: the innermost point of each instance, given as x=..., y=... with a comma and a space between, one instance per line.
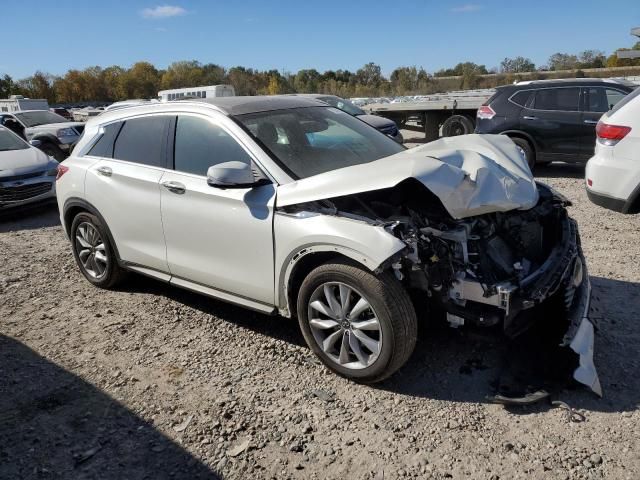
x=54, y=36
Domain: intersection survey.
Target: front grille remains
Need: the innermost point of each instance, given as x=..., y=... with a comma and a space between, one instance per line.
x=24, y=192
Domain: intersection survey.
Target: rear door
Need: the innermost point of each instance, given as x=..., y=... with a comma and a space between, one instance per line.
x=552, y=117
x=124, y=186
x=595, y=102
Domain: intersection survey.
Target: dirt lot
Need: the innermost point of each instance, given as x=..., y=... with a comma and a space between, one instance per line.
x=155, y=382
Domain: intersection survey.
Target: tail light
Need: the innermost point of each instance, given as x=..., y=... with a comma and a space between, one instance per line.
x=61, y=171
x=611, y=134
x=485, y=112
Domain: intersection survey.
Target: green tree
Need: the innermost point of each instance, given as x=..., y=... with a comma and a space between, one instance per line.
x=562, y=61
x=517, y=65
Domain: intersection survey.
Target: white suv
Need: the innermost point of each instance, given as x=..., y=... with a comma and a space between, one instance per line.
x=289, y=206
x=612, y=175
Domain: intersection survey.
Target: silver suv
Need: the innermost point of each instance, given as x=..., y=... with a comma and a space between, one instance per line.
x=52, y=133
x=289, y=206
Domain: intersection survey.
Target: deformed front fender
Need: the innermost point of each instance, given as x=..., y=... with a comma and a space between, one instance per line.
x=306, y=233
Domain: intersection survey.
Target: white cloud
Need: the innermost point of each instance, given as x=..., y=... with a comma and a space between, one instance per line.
x=163, y=11
x=469, y=7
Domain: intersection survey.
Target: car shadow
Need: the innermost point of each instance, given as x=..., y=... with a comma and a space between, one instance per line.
x=467, y=365
x=29, y=217
x=57, y=425
x=560, y=170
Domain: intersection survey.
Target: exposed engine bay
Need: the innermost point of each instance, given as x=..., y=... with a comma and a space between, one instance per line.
x=494, y=269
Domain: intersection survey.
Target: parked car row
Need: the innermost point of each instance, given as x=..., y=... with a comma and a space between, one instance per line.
x=56, y=134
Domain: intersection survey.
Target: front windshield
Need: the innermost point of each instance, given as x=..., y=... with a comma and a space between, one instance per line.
x=313, y=140
x=39, y=117
x=342, y=104
x=9, y=141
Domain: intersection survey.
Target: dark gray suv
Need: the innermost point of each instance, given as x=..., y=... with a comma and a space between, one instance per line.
x=551, y=120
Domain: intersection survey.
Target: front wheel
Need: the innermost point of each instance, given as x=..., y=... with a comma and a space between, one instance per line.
x=360, y=325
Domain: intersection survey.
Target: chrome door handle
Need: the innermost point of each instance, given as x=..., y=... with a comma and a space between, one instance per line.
x=105, y=171
x=174, y=187
x=591, y=122
x=527, y=117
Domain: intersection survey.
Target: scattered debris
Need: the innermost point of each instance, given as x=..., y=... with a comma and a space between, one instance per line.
x=83, y=457
x=323, y=395
x=238, y=449
x=183, y=426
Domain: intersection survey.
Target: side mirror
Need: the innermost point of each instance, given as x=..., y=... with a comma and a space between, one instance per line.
x=232, y=175
x=35, y=143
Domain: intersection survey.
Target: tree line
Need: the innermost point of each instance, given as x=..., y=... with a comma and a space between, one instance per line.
x=144, y=80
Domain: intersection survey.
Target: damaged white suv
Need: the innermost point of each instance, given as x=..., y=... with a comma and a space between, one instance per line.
x=288, y=206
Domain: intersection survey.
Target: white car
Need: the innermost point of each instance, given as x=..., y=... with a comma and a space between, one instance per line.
x=612, y=175
x=27, y=175
x=289, y=206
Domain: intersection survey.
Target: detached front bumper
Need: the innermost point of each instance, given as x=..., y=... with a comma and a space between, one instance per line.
x=580, y=337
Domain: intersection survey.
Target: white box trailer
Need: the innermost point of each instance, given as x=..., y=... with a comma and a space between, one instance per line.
x=15, y=103
x=208, y=91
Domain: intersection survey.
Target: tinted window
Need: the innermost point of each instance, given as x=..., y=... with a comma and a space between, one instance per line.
x=200, y=144
x=626, y=100
x=521, y=98
x=141, y=140
x=104, y=146
x=566, y=99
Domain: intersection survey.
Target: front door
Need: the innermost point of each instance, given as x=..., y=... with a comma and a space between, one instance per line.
x=219, y=238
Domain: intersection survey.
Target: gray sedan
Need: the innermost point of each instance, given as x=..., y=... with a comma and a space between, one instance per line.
x=27, y=174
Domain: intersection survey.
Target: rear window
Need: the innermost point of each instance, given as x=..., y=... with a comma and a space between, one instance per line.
x=626, y=100
x=141, y=140
x=521, y=98
x=562, y=99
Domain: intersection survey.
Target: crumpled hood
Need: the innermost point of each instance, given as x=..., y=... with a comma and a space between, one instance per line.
x=18, y=162
x=470, y=174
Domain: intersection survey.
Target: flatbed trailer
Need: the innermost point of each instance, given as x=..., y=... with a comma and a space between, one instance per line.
x=453, y=113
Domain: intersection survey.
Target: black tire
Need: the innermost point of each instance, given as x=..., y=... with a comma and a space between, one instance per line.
x=389, y=304
x=528, y=151
x=112, y=274
x=457, y=125
x=53, y=151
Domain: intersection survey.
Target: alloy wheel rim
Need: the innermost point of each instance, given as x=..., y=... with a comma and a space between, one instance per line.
x=344, y=325
x=91, y=250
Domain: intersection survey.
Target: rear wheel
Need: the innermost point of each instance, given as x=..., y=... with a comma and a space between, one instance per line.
x=360, y=325
x=457, y=125
x=527, y=152
x=93, y=252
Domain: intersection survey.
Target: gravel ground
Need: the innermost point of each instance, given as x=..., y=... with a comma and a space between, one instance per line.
x=155, y=382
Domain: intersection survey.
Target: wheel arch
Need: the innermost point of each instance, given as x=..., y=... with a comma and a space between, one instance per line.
x=73, y=206
x=303, y=260
x=524, y=136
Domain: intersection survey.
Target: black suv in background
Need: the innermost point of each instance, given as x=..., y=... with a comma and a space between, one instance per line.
x=551, y=120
